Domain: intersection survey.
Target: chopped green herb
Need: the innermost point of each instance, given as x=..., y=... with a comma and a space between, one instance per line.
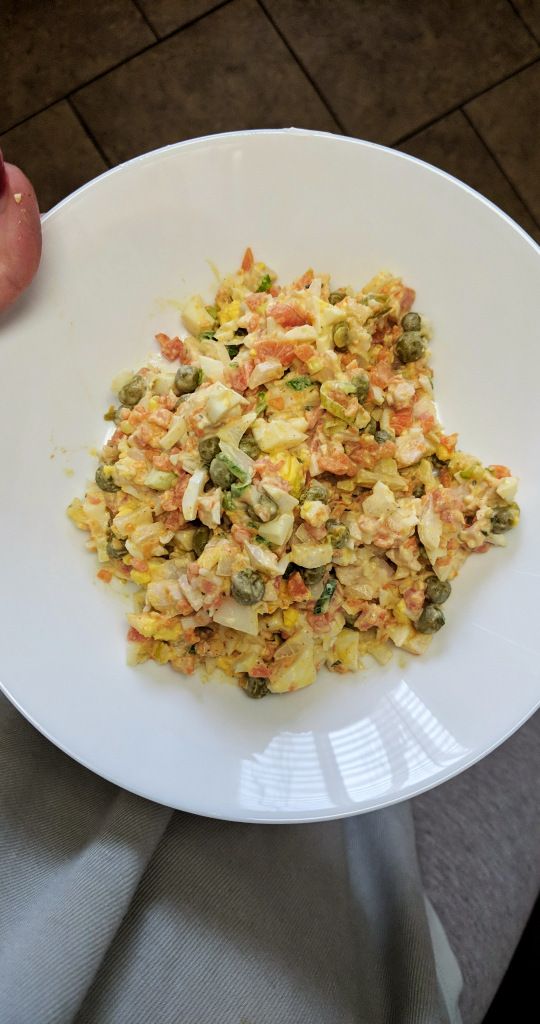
x=265, y=283
x=233, y=350
x=326, y=596
x=208, y=335
x=213, y=311
x=237, y=489
x=110, y=415
x=261, y=402
x=262, y=540
x=299, y=383
x=228, y=503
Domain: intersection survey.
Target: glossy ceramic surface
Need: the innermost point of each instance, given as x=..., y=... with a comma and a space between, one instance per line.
x=118, y=257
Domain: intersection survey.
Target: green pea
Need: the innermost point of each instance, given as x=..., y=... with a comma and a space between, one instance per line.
x=340, y=335
x=247, y=586
x=361, y=383
x=382, y=435
x=315, y=492
x=132, y=392
x=437, y=591
x=249, y=446
x=255, y=687
x=410, y=347
x=431, y=619
x=200, y=539
x=411, y=322
x=105, y=481
x=313, y=576
x=220, y=473
x=187, y=379
x=338, y=533
x=504, y=518
x=336, y=297
x=208, y=449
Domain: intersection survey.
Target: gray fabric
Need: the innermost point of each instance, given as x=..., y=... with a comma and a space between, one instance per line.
x=115, y=909
x=478, y=840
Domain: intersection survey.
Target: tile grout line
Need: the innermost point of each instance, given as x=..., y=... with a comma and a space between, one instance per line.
x=144, y=17
x=519, y=15
x=114, y=67
x=88, y=132
x=461, y=105
x=496, y=161
x=303, y=68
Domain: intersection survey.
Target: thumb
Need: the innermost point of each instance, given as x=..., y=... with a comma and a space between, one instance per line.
x=20, y=233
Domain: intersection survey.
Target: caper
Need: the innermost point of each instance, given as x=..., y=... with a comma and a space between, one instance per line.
x=419, y=490
x=249, y=446
x=200, y=539
x=187, y=379
x=504, y=519
x=336, y=297
x=340, y=335
x=437, y=591
x=410, y=347
x=132, y=392
x=361, y=383
x=315, y=492
x=264, y=507
x=382, y=435
x=208, y=449
x=255, y=687
x=220, y=473
x=338, y=533
x=105, y=481
x=411, y=322
x=247, y=586
x=313, y=576
x=430, y=620
x=116, y=547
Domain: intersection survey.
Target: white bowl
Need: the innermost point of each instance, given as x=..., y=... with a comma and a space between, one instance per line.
x=115, y=253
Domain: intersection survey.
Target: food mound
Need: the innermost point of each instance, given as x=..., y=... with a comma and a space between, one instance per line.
x=279, y=489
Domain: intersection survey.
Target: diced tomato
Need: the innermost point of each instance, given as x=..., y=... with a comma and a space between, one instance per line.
x=281, y=350
x=338, y=463
x=288, y=315
x=260, y=671
x=133, y=634
x=407, y=299
x=172, y=499
x=305, y=352
x=172, y=348
x=381, y=374
x=401, y=420
x=499, y=471
x=304, y=281
x=247, y=259
x=320, y=623
x=238, y=377
x=297, y=588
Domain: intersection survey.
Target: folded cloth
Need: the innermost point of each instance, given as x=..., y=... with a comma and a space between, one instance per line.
x=114, y=909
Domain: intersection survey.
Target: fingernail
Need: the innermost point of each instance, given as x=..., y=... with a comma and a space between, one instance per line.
x=3, y=178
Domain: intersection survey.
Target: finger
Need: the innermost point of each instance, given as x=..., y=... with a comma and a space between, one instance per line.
x=20, y=233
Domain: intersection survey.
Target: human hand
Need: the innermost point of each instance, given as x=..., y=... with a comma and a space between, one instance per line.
x=20, y=233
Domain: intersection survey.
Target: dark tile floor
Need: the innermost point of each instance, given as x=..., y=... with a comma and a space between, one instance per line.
x=453, y=82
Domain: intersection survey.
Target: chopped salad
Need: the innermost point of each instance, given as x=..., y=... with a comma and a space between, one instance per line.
x=279, y=489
